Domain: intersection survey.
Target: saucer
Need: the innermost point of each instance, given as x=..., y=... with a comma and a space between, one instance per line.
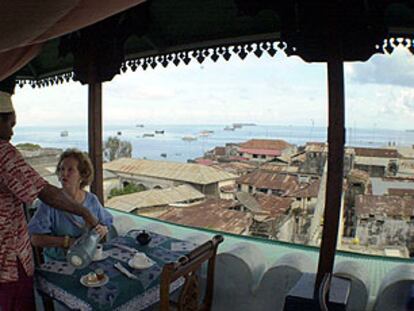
x=104, y=256
x=145, y=265
x=84, y=281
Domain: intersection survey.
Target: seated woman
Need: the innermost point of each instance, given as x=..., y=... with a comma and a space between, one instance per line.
x=56, y=230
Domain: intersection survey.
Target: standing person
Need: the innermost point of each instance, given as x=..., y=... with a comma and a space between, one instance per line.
x=56, y=230
x=20, y=183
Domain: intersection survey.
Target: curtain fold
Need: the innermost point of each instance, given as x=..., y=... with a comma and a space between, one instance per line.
x=26, y=24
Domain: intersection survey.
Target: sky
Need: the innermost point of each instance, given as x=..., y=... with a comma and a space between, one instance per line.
x=268, y=91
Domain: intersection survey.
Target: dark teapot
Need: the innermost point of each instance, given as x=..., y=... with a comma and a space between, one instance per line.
x=143, y=238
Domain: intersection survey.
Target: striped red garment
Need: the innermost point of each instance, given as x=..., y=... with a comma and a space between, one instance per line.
x=19, y=183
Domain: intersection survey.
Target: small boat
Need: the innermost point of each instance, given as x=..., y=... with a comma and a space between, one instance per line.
x=189, y=138
x=164, y=155
x=205, y=133
x=139, y=125
x=229, y=128
x=148, y=135
x=64, y=134
x=159, y=131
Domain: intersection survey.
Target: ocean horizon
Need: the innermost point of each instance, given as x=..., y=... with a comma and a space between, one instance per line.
x=170, y=144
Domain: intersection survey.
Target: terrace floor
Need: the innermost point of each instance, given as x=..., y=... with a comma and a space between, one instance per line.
x=258, y=273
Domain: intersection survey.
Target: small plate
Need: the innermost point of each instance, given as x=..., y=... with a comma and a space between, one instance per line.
x=102, y=282
x=146, y=265
x=104, y=256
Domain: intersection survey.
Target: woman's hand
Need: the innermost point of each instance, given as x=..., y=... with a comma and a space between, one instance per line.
x=102, y=230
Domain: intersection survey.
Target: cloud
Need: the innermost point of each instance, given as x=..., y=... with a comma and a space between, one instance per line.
x=396, y=69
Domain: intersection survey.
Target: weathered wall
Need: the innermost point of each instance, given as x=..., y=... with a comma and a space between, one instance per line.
x=382, y=231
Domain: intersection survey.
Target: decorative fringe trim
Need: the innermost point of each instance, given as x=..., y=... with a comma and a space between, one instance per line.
x=214, y=53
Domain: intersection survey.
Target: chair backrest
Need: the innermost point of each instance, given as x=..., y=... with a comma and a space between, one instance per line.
x=187, y=267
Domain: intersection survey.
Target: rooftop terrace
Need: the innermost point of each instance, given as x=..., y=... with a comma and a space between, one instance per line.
x=258, y=272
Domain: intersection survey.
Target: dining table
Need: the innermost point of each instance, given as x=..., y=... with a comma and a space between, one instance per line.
x=141, y=290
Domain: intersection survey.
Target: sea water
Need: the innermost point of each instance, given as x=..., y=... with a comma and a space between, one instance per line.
x=171, y=146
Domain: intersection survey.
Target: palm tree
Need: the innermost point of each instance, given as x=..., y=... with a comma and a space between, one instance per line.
x=115, y=148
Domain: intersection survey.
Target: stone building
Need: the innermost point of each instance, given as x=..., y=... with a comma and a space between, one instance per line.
x=263, y=150
x=376, y=161
x=385, y=220
x=164, y=174
x=267, y=183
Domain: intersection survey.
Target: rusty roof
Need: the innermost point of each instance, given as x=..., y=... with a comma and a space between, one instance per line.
x=383, y=205
x=316, y=147
x=273, y=206
x=220, y=151
x=184, y=172
x=279, y=168
x=306, y=190
x=300, y=157
x=266, y=152
x=376, y=152
x=238, y=168
x=359, y=175
x=401, y=192
x=267, y=180
x=154, y=197
x=229, y=188
x=212, y=214
x=269, y=144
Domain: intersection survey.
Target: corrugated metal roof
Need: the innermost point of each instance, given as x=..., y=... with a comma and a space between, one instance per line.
x=383, y=205
x=267, y=180
x=273, y=206
x=359, y=175
x=185, y=172
x=376, y=152
x=401, y=192
x=203, y=161
x=319, y=147
x=212, y=214
x=220, y=151
x=277, y=168
x=271, y=144
x=154, y=197
x=306, y=190
x=269, y=152
x=238, y=168
x=248, y=201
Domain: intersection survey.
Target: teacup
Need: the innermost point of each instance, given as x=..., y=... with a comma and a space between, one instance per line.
x=91, y=277
x=98, y=252
x=139, y=259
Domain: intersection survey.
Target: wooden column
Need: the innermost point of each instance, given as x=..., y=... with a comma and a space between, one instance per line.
x=95, y=136
x=336, y=141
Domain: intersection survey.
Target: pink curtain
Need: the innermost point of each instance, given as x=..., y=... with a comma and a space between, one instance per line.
x=26, y=24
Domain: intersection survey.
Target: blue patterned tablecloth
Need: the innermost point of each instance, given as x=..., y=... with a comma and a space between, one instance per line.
x=121, y=292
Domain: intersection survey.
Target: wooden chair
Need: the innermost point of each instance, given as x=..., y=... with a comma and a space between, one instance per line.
x=189, y=298
x=38, y=260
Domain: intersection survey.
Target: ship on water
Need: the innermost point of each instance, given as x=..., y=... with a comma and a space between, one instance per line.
x=229, y=128
x=189, y=138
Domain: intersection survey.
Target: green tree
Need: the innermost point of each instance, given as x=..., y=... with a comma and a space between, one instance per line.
x=28, y=146
x=115, y=148
x=130, y=188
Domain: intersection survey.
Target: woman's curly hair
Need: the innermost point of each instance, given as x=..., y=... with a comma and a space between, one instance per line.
x=85, y=167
